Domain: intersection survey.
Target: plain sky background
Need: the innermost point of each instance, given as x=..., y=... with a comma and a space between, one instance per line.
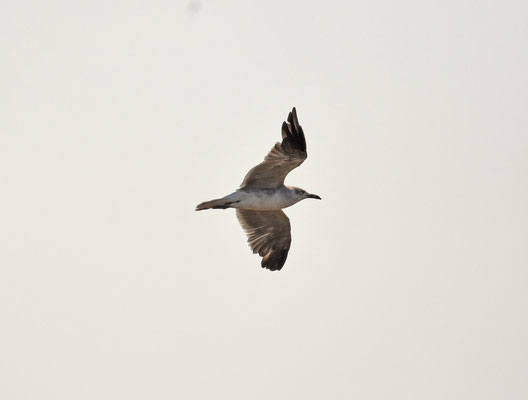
x=408, y=281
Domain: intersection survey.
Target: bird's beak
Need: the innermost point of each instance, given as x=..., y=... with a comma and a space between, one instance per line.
x=313, y=196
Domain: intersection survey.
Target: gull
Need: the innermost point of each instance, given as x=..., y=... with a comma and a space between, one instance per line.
x=262, y=196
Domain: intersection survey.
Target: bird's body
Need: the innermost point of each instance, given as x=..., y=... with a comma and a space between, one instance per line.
x=258, y=199
x=263, y=195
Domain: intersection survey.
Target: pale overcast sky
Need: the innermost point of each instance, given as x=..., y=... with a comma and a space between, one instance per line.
x=407, y=281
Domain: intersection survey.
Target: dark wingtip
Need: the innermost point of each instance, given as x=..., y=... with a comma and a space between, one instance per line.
x=293, y=131
x=275, y=260
x=292, y=116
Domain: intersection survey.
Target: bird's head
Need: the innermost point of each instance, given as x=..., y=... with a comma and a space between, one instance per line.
x=302, y=194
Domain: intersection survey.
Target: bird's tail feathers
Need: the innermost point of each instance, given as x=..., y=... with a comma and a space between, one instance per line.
x=217, y=203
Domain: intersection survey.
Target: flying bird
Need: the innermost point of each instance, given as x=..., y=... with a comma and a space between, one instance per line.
x=262, y=196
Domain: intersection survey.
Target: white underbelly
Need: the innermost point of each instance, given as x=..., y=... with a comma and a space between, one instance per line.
x=261, y=200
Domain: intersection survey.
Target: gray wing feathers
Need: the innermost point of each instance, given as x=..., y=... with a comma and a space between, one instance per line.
x=268, y=235
x=281, y=159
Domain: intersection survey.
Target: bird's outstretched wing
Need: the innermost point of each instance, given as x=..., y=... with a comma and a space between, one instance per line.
x=282, y=158
x=268, y=235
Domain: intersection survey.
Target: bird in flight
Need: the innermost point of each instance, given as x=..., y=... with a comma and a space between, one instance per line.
x=262, y=196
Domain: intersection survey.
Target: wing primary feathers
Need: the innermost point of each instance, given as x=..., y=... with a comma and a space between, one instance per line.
x=297, y=134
